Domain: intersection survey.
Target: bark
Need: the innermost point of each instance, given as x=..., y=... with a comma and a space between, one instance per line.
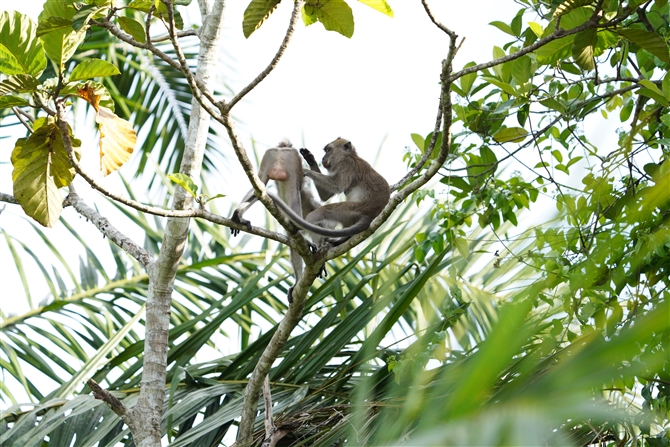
x=148, y=412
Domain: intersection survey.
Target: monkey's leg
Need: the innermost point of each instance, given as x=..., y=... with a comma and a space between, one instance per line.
x=248, y=200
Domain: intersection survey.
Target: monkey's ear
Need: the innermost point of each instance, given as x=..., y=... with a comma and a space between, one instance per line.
x=348, y=146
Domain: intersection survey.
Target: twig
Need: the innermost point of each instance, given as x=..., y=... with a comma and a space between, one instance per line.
x=8, y=198
x=187, y=33
x=297, y=6
x=451, y=34
x=120, y=239
x=17, y=111
x=101, y=394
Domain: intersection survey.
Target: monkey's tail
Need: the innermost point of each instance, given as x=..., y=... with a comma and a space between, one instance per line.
x=302, y=223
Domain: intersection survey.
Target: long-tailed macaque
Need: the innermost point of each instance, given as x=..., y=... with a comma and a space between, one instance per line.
x=283, y=165
x=366, y=191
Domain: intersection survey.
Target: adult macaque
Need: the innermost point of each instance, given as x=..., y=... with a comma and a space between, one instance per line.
x=283, y=165
x=366, y=191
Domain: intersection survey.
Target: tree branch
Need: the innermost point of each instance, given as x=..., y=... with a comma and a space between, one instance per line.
x=124, y=242
x=8, y=198
x=297, y=6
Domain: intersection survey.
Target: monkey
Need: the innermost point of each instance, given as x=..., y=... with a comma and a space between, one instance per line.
x=283, y=165
x=366, y=191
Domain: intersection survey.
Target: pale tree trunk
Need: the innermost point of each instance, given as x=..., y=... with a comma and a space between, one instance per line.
x=148, y=412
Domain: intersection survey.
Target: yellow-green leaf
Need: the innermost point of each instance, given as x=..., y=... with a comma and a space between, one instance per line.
x=468, y=80
x=12, y=101
x=117, y=140
x=536, y=28
x=570, y=5
x=134, y=28
x=93, y=68
x=21, y=83
x=379, y=5
x=335, y=15
x=185, y=182
x=666, y=86
x=583, y=48
x=20, y=51
x=462, y=246
x=510, y=135
x=41, y=167
x=256, y=13
x=54, y=23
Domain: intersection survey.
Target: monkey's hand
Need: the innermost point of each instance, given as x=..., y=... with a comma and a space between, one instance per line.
x=237, y=219
x=309, y=158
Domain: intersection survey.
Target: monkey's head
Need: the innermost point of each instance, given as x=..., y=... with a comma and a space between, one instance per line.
x=336, y=151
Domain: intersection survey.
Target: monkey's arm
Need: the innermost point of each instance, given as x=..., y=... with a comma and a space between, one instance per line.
x=314, y=166
x=324, y=182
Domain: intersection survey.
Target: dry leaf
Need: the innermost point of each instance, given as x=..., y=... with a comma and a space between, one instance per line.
x=117, y=140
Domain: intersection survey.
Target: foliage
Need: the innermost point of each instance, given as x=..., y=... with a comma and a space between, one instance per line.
x=422, y=336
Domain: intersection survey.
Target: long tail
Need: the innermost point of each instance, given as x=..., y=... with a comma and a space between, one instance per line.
x=299, y=221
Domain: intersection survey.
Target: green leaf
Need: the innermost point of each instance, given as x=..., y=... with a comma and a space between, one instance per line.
x=216, y=196
x=60, y=44
x=185, y=182
x=504, y=27
x=502, y=85
x=419, y=141
x=21, y=83
x=570, y=5
x=462, y=246
x=7, y=102
x=379, y=5
x=134, y=28
x=666, y=86
x=468, y=80
x=521, y=70
x=20, y=51
x=583, y=48
x=41, y=167
x=256, y=13
x=54, y=23
x=84, y=15
x=554, y=50
x=309, y=17
x=651, y=42
x=93, y=68
x=536, y=28
x=510, y=134
x=653, y=95
x=335, y=15
x=553, y=103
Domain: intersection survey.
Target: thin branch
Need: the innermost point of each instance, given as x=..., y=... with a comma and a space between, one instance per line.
x=198, y=89
x=17, y=111
x=267, y=399
x=106, y=228
x=187, y=33
x=297, y=6
x=8, y=198
x=451, y=34
x=115, y=404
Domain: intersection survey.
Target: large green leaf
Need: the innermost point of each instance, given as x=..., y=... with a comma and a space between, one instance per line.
x=583, y=48
x=61, y=43
x=335, y=15
x=20, y=51
x=41, y=167
x=256, y=13
x=650, y=41
x=553, y=51
x=93, y=68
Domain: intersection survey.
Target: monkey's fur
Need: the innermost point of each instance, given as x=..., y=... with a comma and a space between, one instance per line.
x=367, y=193
x=283, y=165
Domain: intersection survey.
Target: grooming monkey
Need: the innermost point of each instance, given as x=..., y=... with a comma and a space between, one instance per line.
x=283, y=165
x=366, y=191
